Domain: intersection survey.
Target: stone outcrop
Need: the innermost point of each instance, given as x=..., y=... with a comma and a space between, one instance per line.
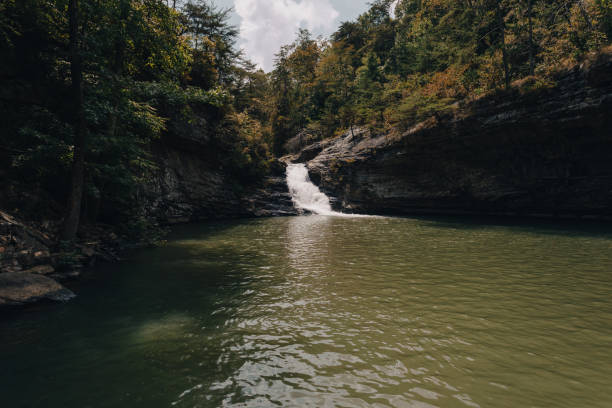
x=26, y=264
x=270, y=199
x=188, y=187
x=20, y=288
x=540, y=153
x=22, y=247
x=192, y=185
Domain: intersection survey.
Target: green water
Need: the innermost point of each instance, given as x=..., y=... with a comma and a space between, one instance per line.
x=329, y=312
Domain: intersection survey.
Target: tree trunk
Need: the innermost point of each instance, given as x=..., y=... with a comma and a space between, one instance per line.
x=117, y=68
x=73, y=217
x=585, y=15
x=531, y=51
x=502, y=28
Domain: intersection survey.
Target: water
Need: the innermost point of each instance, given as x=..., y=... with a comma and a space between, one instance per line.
x=307, y=196
x=329, y=312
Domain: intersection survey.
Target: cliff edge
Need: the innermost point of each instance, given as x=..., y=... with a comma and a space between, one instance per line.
x=525, y=152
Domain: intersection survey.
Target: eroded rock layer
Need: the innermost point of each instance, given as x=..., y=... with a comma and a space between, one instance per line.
x=191, y=185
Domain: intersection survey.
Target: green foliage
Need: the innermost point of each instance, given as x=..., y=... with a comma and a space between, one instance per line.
x=382, y=71
x=213, y=43
x=147, y=70
x=603, y=16
x=293, y=89
x=250, y=156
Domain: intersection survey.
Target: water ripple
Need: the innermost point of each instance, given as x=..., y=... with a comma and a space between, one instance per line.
x=336, y=312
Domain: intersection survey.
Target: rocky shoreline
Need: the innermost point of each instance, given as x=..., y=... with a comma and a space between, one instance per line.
x=33, y=264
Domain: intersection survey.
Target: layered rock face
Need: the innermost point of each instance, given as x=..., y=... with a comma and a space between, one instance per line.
x=190, y=186
x=544, y=153
x=187, y=187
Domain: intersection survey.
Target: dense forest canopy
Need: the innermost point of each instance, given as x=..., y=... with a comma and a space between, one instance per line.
x=385, y=70
x=141, y=67
x=87, y=86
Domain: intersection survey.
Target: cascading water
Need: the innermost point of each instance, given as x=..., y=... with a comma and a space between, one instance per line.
x=306, y=196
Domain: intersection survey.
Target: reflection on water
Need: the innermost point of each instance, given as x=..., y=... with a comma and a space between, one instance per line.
x=307, y=242
x=330, y=312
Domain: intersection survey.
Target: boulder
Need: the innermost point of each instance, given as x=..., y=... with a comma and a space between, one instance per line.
x=20, y=288
x=41, y=270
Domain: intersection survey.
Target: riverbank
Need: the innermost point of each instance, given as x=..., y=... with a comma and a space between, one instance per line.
x=33, y=263
x=185, y=188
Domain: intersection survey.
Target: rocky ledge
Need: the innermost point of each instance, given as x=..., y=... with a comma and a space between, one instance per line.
x=539, y=153
x=26, y=265
x=190, y=186
x=32, y=263
x=20, y=288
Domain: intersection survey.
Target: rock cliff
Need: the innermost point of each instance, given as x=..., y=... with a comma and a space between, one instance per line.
x=545, y=152
x=189, y=186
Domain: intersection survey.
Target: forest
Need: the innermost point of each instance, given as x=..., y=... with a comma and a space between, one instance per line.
x=87, y=86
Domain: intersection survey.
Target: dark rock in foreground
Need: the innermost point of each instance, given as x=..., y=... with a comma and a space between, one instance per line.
x=25, y=263
x=20, y=288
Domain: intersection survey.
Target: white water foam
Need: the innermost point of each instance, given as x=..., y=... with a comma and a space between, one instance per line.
x=306, y=196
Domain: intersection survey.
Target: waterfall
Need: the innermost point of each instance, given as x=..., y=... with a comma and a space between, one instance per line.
x=306, y=196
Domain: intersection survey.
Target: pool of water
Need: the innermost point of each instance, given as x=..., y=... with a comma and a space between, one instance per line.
x=321, y=311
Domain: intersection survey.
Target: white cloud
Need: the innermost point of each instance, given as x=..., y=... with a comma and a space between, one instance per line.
x=268, y=24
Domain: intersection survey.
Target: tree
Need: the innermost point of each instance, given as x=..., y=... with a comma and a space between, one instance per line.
x=531, y=45
x=213, y=39
x=502, y=41
x=293, y=87
x=72, y=220
x=86, y=88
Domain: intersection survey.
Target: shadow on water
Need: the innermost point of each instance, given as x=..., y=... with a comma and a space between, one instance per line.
x=131, y=324
x=577, y=228
x=329, y=311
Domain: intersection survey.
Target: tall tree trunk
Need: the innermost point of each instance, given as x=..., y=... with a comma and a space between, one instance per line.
x=531, y=50
x=585, y=15
x=502, y=28
x=117, y=67
x=73, y=217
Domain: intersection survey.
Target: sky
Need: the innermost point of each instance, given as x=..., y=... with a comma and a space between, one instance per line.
x=266, y=25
